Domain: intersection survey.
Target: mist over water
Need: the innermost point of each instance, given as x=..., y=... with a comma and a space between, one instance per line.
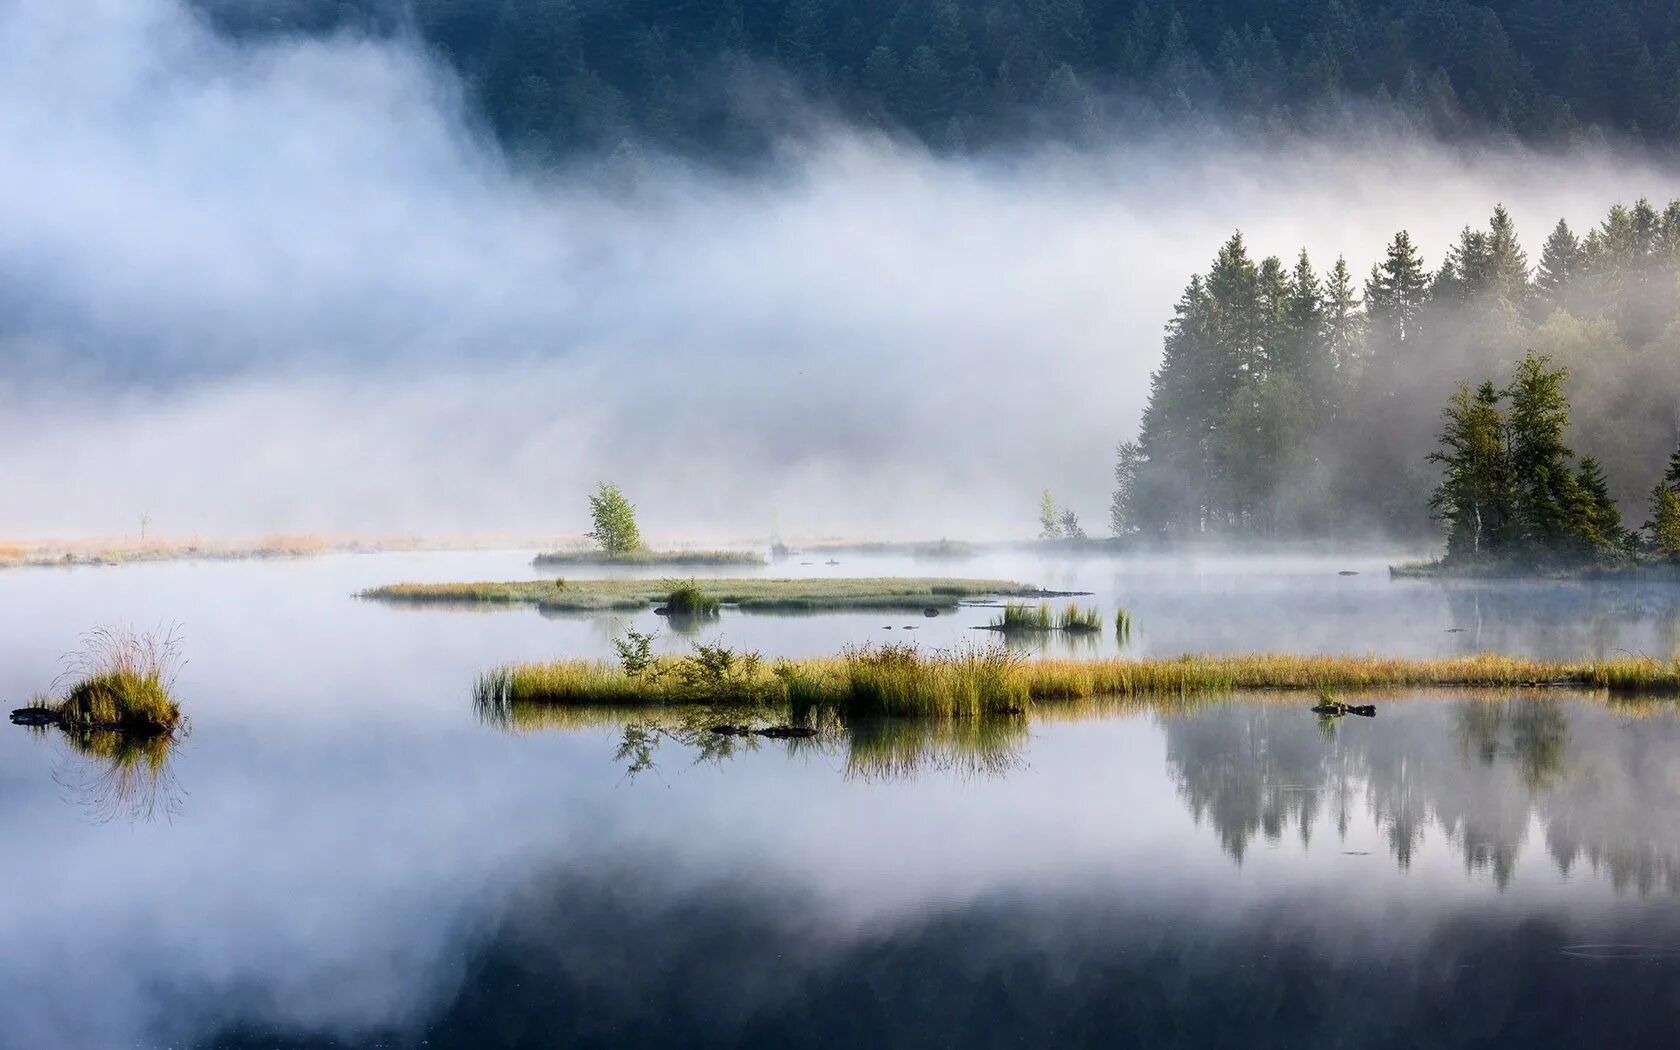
x=288, y=285
x=353, y=859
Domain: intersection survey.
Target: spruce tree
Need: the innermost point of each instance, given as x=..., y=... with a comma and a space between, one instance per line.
x=1305, y=356
x=1546, y=486
x=1344, y=326
x=1505, y=261
x=1123, y=518
x=1561, y=261
x=1665, y=522
x=1598, y=523
x=1396, y=292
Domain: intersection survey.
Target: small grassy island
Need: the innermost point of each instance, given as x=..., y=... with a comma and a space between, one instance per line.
x=763, y=595
x=1021, y=618
x=618, y=540
x=118, y=682
x=900, y=680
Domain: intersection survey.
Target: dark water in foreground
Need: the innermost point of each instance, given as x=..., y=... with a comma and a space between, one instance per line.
x=339, y=855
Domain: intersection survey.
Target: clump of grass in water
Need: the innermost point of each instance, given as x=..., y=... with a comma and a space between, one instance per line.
x=1075, y=620
x=896, y=680
x=687, y=599
x=1122, y=625
x=1018, y=616
x=119, y=680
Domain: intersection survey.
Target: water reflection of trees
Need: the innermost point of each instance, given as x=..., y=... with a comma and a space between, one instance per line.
x=1599, y=782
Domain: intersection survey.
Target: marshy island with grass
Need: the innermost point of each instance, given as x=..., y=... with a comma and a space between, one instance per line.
x=747, y=594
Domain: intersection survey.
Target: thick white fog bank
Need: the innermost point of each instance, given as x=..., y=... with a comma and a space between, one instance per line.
x=285, y=286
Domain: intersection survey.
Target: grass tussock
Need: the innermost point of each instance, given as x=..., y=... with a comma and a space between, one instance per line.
x=757, y=595
x=686, y=598
x=1018, y=616
x=1122, y=624
x=119, y=680
x=648, y=557
x=1077, y=620
x=900, y=680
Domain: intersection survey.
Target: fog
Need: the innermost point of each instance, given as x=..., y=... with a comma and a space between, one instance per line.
x=288, y=286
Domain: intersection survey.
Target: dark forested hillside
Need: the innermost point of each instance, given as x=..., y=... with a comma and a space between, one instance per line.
x=712, y=77
x=1289, y=402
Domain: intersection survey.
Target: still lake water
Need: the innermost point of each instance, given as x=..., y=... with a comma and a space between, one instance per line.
x=343, y=856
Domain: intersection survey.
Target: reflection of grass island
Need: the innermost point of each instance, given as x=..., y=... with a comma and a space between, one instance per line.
x=762, y=595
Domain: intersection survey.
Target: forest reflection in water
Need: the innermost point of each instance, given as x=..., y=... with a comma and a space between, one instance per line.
x=1595, y=779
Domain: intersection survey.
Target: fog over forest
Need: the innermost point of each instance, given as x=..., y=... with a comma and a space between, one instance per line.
x=293, y=283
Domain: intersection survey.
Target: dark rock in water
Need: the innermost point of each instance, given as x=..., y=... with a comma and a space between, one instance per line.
x=34, y=716
x=910, y=627
x=831, y=561
x=930, y=612
x=1336, y=707
x=1455, y=630
x=888, y=627
x=1347, y=572
x=663, y=610
x=787, y=732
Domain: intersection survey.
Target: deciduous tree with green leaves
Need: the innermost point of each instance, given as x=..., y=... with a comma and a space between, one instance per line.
x=614, y=519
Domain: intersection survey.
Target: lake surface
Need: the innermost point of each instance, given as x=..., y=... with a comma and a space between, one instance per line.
x=340, y=855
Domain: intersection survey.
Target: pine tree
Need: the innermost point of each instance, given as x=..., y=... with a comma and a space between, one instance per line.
x=1396, y=292
x=1395, y=296
x=1344, y=326
x=1561, y=261
x=1598, y=521
x=1185, y=392
x=1506, y=262
x=1665, y=522
x=1123, y=518
x=1546, y=486
x=1304, y=356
